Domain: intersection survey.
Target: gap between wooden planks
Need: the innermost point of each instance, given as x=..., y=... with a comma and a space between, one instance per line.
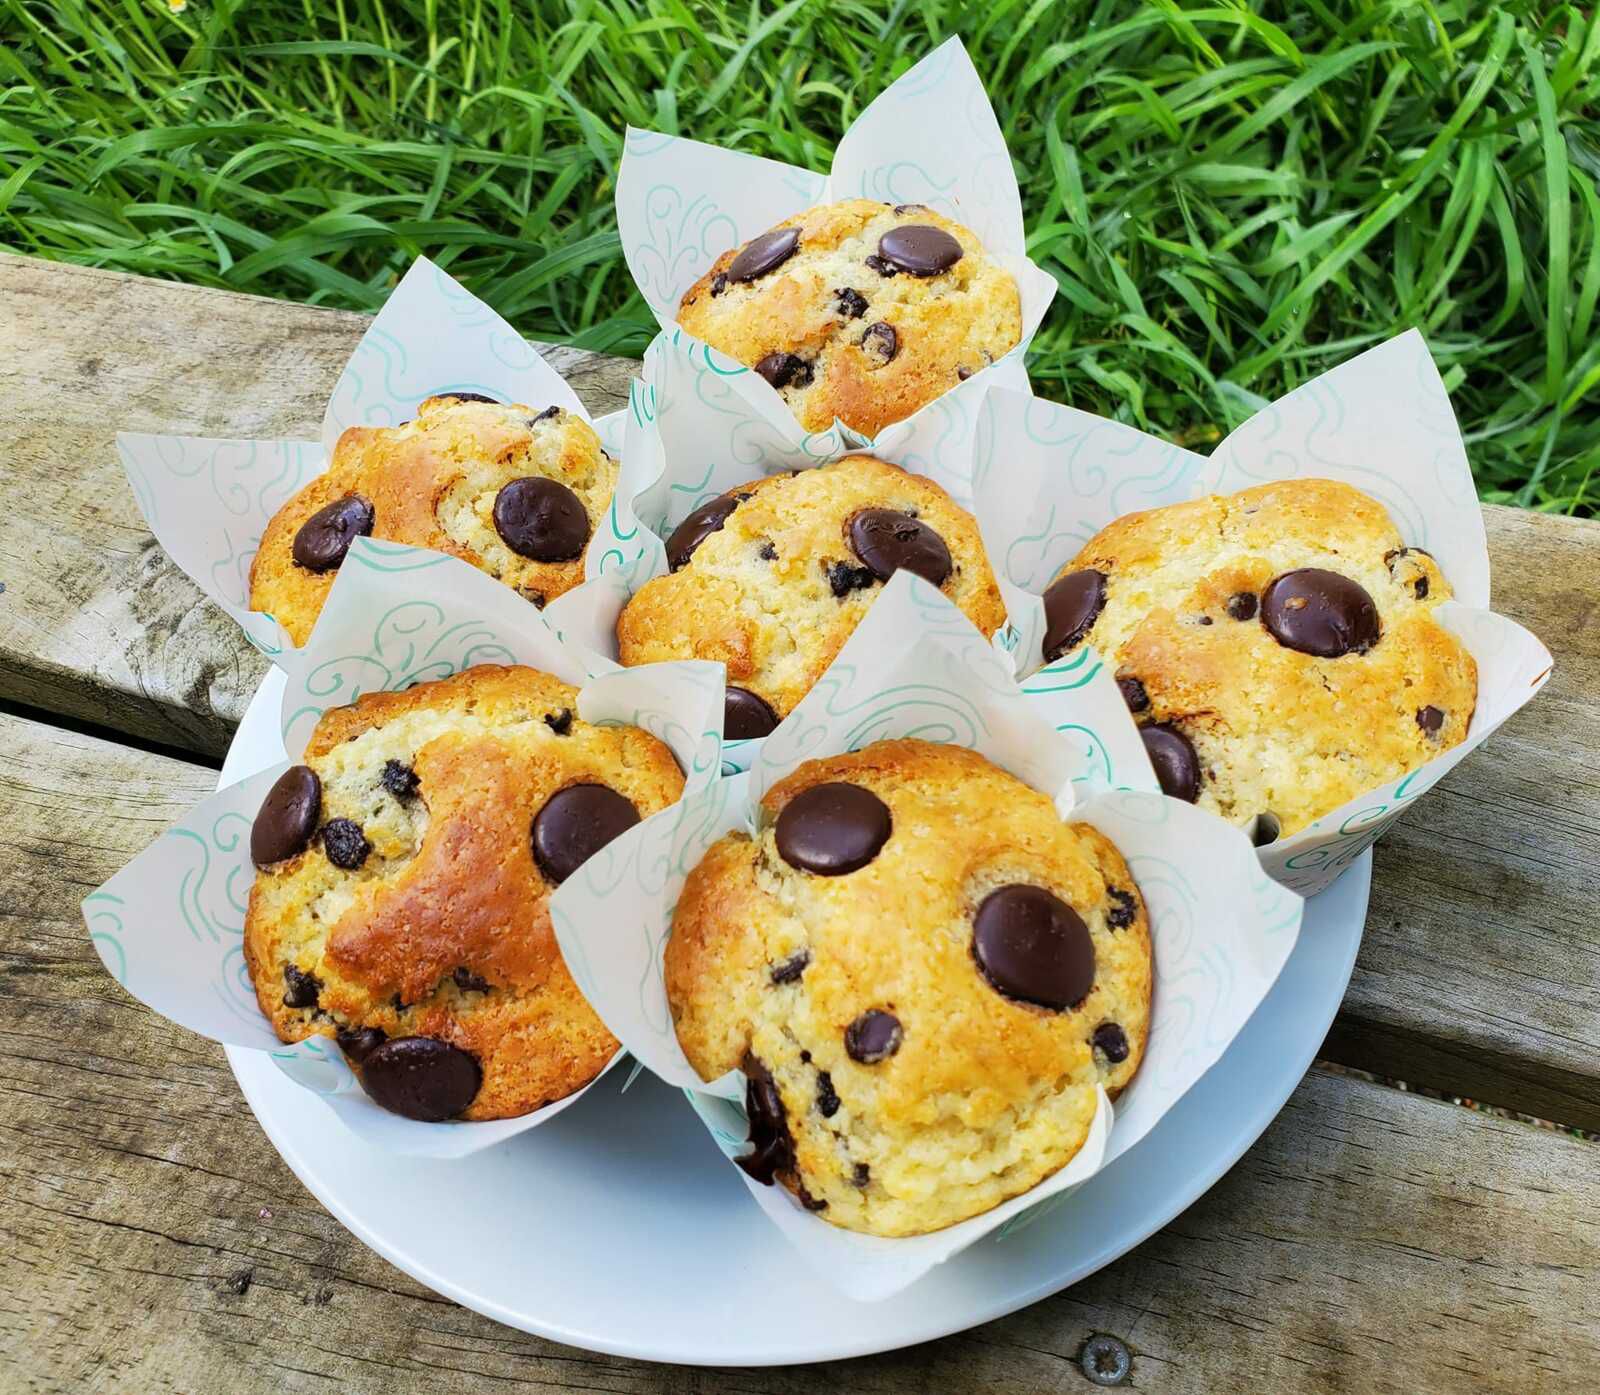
x=1477, y=975
x=150, y=1238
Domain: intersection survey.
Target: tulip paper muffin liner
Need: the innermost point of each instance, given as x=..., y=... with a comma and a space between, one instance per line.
x=689, y=437
x=170, y=926
x=209, y=501
x=1048, y=477
x=1221, y=929
x=930, y=137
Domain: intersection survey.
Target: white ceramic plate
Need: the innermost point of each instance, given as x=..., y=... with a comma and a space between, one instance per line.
x=620, y=1228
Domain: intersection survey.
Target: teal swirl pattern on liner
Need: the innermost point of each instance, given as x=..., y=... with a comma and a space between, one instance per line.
x=684, y=236
x=106, y=931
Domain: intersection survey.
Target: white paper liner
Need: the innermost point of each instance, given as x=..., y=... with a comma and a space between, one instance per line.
x=1049, y=477
x=209, y=501
x=689, y=437
x=170, y=925
x=916, y=667
x=930, y=137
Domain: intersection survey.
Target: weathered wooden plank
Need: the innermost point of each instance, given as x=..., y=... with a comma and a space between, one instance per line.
x=150, y=1239
x=95, y=623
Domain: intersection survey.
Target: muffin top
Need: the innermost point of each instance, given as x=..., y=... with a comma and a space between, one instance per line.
x=924, y=974
x=405, y=871
x=1277, y=647
x=859, y=310
x=771, y=578
x=514, y=490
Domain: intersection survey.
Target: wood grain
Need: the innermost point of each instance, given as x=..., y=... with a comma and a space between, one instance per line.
x=151, y=1240
x=95, y=623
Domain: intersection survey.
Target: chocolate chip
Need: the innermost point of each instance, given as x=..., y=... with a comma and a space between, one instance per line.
x=790, y=970
x=763, y=254
x=1134, y=694
x=889, y=541
x=785, y=370
x=903, y=208
x=1420, y=587
x=300, y=989
x=1124, y=908
x=1204, y=620
x=881, y=343
x=919, y=249
x=719, y=283
x=772, y=1150
x=559, y=722
x=827, y=1096
x=1111, y=1041
x=873, y=1037
x=325, y=537
x=963, y=373
x=287, y=817
x=1242, y=605
x=469, y=982
x=832, y=829
x=1430, y=719
x=878, y=264
x=852, y=304
x=466, y=397
x=745, y=716
x=400, y=780
x=541, y=519
x=767, y=552
x=1176, y=765
x=549, y=414
x=421, y=1078
x=861, y=1175
x=1319, y=612
x=843, y=578
x=1033, y=947
x=575, y=824
x=697, y=527
x=345, y=844
x=805, y=1058
x=360, y=1042
x=1072, y=604
x=804, y=1197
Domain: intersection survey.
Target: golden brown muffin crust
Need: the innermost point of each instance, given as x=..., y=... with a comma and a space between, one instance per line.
x=985, y=1095
x=449, y=894
x=945, y=327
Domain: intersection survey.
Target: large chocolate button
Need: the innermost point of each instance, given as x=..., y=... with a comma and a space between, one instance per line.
x=1071, y=606
x=575, y=824
x=832, y=829
x=421, y=1078
x=288, y=816
x=1032, y=946
x=763, y=254
x=1177, y=766
x=325, y=537
x=541, y=519
x=697, y=527
x=919, y=249
x=888, y=540
x=745, y=716
x=1319, y=612
x=772, y=1145
x=873, y=1037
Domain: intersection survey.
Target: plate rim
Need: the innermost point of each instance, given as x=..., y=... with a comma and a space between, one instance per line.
x=245, y=1063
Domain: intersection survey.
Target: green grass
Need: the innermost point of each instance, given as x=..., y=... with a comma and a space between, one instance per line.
x=1231, y=197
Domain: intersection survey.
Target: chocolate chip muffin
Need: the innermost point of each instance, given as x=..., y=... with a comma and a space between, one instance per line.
x=772, y=577
x=858, y=310
x=513, y=490
x=405, y=871
x=923, y=973
x=1277, y=647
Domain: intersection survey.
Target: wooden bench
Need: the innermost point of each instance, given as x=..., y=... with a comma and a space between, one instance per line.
x=150, y=1238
